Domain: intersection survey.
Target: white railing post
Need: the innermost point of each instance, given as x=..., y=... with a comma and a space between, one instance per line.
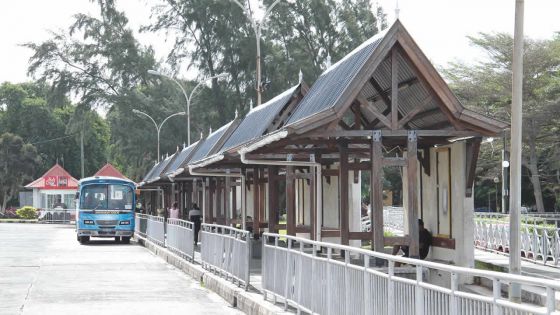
x=347, y=282
x=367, y=291
x=329, y=280
x=550, y=300
x=419, y=291
x=497, y=294
x=299, y=276
x=391, y=289
x=453, y=299
x=288, y=252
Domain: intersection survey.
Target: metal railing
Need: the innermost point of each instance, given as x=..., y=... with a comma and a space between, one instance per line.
x=180, y=237
x=155, y=230
x=538, y=244
x=66, y=216
x=141, y=224
x=226, y=251
x=314, y=277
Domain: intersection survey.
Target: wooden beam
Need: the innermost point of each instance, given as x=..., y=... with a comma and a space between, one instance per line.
x=313, y=211
x=394, y=133
x=394, y=162
x=379, y=90
x=256, y=210
x=376, y=192
x=363, y=236
x=412, y=180
x=471, y=152
x=272, y=199
x=414, y=112
x=228, y=212
x=343, y=188
x=397, y=240
x=290, y=202
x=394, y=90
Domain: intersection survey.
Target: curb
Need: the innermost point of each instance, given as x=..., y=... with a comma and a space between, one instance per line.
x=19, y=221
x=247, y=302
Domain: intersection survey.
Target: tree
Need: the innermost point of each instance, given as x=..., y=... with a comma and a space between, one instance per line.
x=17, y=165
x=486, y=86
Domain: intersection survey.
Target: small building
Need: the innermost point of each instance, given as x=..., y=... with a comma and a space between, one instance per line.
x=54, y=189
x=110, y=171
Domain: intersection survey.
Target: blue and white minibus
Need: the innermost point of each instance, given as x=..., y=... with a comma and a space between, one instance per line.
x=105, y=208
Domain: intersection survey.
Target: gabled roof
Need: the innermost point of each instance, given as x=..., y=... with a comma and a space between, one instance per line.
x=55, y=178
x=150, y=173
x=159, y=170
x=258, y=120
x=110, y=171
x=178, y=165
x=363, y=79
x=214, y=141
x=328, y=89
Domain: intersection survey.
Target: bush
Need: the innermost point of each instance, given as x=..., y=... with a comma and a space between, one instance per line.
x=27, y=212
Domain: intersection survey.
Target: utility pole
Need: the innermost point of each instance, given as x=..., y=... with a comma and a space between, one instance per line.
x=515, y=166
x=82, y=150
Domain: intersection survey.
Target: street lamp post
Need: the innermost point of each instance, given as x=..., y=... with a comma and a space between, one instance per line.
x=257, y=27
x=158, y=128
x=188, y=98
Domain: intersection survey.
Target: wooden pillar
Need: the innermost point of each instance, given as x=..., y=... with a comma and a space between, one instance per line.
x=312, y=204
x=343, y=188
x=262, y=197
x=227, y=201
x=411, y=179
x=272, y=199
x=290, y=201
x=376, y=192
x=256, y=210
x=211, y=192
x=234, y=215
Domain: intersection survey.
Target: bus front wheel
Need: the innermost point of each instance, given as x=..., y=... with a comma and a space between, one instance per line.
x=126, y=239
x=83, y=239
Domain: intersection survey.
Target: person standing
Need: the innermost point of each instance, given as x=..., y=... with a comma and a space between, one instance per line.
x=195, y=216
x=174, y=212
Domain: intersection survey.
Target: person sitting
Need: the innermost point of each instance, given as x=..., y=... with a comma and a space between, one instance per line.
x=425, y=241
x=174, y=212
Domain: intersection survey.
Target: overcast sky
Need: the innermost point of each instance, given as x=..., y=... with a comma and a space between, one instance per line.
x=439, y=27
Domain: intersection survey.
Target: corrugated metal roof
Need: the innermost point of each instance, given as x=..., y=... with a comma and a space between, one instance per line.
x=326, y=91
x=160, y=168
x=150, y=173
x=182, y=158
x=209, y=143
x=257, y=121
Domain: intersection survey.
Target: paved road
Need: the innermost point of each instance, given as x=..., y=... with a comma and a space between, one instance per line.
x=44, y=270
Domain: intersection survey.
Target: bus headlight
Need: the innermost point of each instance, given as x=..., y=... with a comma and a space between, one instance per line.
x=127, y=222
x=88, y=221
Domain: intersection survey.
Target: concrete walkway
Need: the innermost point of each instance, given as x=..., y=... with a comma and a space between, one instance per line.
x=501, y=261
x=44, y=270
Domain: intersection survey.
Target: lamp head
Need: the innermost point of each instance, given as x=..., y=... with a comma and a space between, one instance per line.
x=135, y=111
x=181, y=113
x=153, y=72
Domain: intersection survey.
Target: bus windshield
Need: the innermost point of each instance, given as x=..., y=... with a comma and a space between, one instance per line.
x=106, y=197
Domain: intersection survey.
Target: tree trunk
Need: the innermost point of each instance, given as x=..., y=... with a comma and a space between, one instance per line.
x=533, y=167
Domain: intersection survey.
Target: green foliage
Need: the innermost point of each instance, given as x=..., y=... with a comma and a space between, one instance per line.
x=27, y=212
x=485, y=86
x=18, y=162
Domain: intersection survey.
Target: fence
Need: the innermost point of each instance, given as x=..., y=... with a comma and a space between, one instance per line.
x=155, y=230
x=314, y=277
x=141, y=224
x=227, y=251
x=539, y=244
x=57, y=215
x=180, y=237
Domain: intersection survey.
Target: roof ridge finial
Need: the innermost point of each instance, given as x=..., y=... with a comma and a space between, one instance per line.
x=328, y=60
x=201, y=135
x=397, y=10
x=210, y=130
x=236, y=113
x=178, y=148
x=184, y=145
x=251, y=104
x=300, y=76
